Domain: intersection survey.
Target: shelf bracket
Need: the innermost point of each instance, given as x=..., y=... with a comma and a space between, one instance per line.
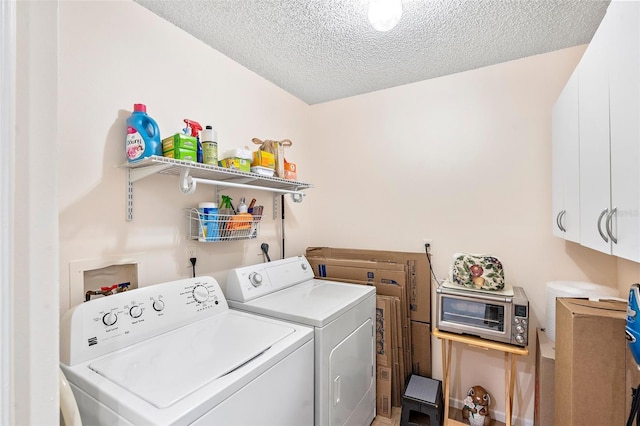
x=129, y=196
x=134, y=175
x=276, y=204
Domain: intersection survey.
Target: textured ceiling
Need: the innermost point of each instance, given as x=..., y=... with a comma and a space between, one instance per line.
x=321, y=50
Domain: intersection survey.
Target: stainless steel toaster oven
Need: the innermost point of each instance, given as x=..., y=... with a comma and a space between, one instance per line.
x=497, y=317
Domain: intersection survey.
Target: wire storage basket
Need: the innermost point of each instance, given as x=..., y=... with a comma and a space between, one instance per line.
x=214, y=228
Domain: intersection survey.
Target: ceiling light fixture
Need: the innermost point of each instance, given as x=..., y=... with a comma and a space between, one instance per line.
x=384, y=14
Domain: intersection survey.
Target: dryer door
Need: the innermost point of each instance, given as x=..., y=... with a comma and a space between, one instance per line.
x=351, y=367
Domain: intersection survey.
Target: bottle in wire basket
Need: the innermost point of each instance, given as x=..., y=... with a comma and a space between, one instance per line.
x=209, y=228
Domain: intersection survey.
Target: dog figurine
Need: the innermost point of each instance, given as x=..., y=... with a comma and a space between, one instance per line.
x=476, y=406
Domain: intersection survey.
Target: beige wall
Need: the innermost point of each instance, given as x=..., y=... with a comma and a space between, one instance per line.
x=628, y=273
x=462, y=160
x=115, y=54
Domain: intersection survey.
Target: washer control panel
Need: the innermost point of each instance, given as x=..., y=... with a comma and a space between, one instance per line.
x=103, y=325
x=249, y=282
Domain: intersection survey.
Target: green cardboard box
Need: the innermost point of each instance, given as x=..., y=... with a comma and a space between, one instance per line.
x=179, y=141
x=182, y=154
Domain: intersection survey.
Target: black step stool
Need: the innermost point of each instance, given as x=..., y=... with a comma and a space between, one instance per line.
x=423, y=395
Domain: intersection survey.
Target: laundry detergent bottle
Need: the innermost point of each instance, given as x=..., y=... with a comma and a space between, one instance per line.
x=143, y=135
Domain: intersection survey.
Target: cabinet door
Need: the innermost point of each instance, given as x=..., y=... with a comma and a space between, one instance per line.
x=594, y=140
x=624, y=106
x=565, y=163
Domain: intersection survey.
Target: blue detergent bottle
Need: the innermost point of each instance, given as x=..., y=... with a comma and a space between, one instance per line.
x=143, y=135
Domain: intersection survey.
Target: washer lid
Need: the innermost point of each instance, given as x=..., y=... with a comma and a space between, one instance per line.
x=314, y=302
x=168, y=367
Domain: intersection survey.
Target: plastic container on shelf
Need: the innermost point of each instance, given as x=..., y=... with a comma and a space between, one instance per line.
x=209, y=227
x=143, y=135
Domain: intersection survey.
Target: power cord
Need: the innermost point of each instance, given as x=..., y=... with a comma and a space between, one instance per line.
x=427, y=250
x=193, y=265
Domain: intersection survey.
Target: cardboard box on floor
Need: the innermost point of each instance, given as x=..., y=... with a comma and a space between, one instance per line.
x=387, y=355
x=383, y=391
x=383, y=331
x=544, y=391
x=591, y=352
x=418, y=273
x=421, y=348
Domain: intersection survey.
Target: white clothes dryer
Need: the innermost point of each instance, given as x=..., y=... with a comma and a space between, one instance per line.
x=175, y=354
x=343, y=318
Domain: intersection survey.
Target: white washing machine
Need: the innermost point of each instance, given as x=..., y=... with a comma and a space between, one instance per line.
x=343, y=317
x=174, y=353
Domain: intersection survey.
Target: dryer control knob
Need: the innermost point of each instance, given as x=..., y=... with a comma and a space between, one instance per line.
x=200, y=293
x=255, y=279
x=135, y=311
x=304, y=266
x=109, y=319
x=158, y=305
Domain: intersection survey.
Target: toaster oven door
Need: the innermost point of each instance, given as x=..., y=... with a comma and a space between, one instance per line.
x=479, y=317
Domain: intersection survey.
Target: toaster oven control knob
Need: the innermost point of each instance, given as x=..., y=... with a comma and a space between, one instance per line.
x=519, y=329
x=200, y=293
x=109, y=318
x=158, y=305
x=135, y=311
x=255, y=279
x=520, y=339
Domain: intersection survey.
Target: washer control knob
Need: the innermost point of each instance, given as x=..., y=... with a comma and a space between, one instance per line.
x=519, y=329
x=200, y=293
x=519, y=339
x=109, y=318
x=135, y=311
x=158, y=305
x=255, y=279
x=304, y=266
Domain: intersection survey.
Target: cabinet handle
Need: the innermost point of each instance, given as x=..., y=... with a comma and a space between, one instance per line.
x=608, y=225
x=604, y=237
x=562, y=213
x=558, y=217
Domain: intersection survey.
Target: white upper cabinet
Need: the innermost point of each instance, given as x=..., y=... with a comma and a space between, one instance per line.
x=565, y=163
x=624, y=112
x=609, y=134
x=594, y=139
